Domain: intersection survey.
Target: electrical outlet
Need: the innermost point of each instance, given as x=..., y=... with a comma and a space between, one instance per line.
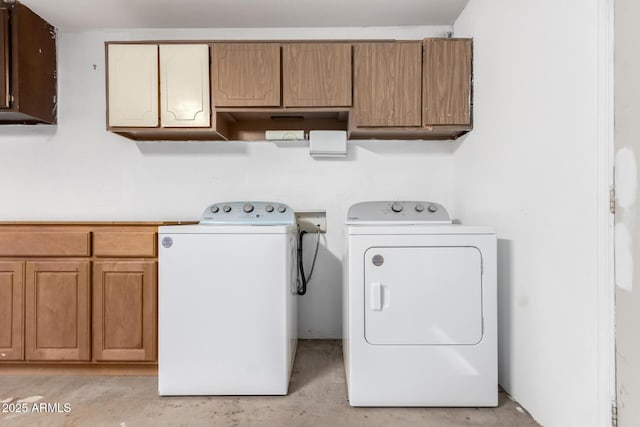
x=310, y=221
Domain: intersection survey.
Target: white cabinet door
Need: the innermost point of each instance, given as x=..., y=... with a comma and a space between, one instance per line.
x=423, y=295
x=184, y=85
x=133, y=85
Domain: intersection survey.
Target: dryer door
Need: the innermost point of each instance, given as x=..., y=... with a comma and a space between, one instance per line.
x=423, y=295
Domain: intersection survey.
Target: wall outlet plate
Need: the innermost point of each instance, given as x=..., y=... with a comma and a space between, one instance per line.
x=309, y=221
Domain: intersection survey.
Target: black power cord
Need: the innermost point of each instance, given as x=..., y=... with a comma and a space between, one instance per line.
x=302, y=278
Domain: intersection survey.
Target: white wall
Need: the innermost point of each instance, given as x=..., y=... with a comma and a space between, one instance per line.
x=627, y=247
x=78, y=171
x=530, y=168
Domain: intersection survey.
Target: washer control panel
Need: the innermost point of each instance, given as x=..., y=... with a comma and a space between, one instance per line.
x=419, y=212
x=248, y=213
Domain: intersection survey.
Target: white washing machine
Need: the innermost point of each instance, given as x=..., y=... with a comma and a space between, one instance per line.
x=227, y=311
x=420, y=320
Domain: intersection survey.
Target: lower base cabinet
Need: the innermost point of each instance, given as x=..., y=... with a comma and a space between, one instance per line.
x=82, y=294
x=57, y=310
x=124, y=310
x=11, y=310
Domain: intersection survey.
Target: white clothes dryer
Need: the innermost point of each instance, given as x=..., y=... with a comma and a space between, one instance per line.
x=420, y=316
x=227, y=301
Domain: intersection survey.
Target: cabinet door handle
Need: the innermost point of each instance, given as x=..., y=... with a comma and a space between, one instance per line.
x=376, y=296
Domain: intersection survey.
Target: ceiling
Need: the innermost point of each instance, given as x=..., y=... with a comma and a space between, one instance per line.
x=92, y=14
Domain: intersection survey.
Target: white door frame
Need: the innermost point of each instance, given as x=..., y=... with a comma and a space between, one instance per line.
x=605, y=164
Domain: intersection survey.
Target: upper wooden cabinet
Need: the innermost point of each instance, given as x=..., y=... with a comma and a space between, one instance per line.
x=387, y=82
x=245, y=74
x=133, y=80
x=132, y=85
x=372, y=89
x=447, y=82
x=28, y=80
x=184, y=85
x=316, y=74
x=5, y=101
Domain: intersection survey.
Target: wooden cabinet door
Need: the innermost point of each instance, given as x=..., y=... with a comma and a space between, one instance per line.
x=447, y=82
x=57, y=310
x=132, y=85
x=11, y=310
x=184, y=85
x=124, y=310
x=387, y=84
x=316, y=74
x=4, y=59
x=245, y=74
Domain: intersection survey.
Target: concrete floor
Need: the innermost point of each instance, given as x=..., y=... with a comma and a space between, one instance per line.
x=317, y=397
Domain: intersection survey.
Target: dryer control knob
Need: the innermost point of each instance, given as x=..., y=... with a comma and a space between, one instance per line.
x=396, y=207
x=269, y=208
x=248, y=208
x=226, y=208
x=214, y=209
x=419, y=208
x=282, y=209
x=433, y=208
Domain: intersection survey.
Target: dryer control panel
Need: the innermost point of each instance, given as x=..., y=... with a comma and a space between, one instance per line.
x=248, y=213
x=408, y=212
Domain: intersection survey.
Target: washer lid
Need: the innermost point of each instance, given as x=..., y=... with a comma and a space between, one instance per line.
x=397, y=212
x=248, y=213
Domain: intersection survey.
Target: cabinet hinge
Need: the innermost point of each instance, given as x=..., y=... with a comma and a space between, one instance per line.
x=612, y=200
x=614, y=413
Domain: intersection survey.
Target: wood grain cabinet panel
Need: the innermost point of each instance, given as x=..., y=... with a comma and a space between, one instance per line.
x=245, y=74
x=124, y=244
x=36, y=242
x=316, y=74
x=4, y=59
x=132, y=81
x=124, y=311
x=447, y=82
x=29, y=92
x=387, y=84
x=184, y=85
x=57, y=310
x=11, y=310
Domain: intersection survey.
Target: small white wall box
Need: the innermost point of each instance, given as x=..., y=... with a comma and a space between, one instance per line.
x=328, y=143
x=311, y=221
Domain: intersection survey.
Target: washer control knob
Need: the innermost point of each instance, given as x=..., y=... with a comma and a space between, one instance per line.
x=282, y=209
x=396, y=207
x=269, y=208
x=214, y=209
x=226, y=208
x=419, y=208
x=247, y=208
x=432, y=208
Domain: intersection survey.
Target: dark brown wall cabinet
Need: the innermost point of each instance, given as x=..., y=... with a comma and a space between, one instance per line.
x=27, y=67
